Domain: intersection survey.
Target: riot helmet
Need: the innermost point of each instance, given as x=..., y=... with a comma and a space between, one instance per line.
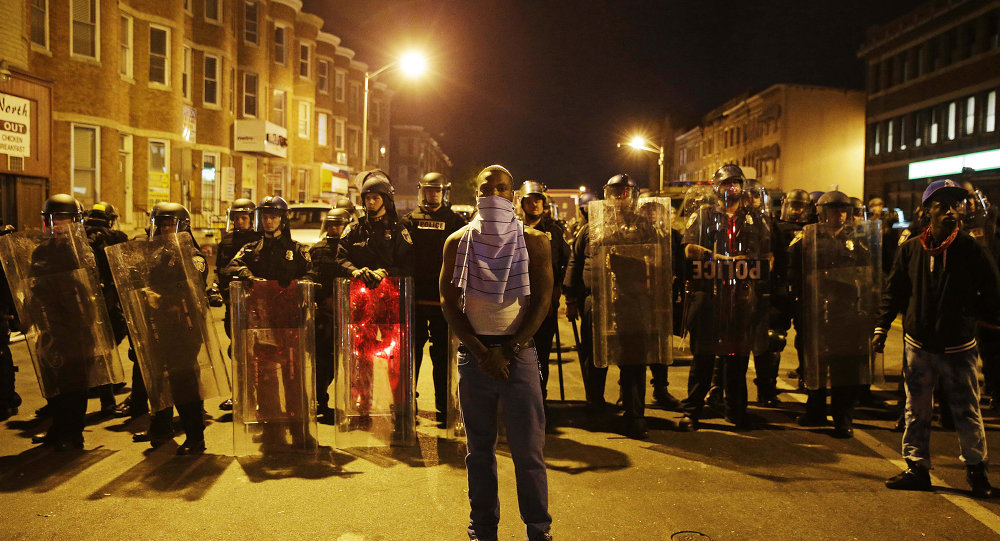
x=531, y=192
x=583, y=200
x=858, y=208
x=429, y=184
x=377, y=182
x=270, y=206
x=728, y=182
x=795, y=207
x=240, y=216
x=835, y=208
x=696, y=198
x=102, y=213
x=755, y=196
x=60, y=209
x=335, y=221
x=166, y=218
x=623, y=189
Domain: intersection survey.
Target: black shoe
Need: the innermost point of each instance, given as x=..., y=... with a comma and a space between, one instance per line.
x=635, y=428
x=544, y=536
x=155, y=439
x=227, y=405
x=72, y=444
x=44, y=411
x=688, y=424
x=843, y=432
x=665, y=400
x=43, y=439
x=716, y=399
x=191, y=448
x=742, y=422
x=811, y=420
x=976, y=476
x=768, y=398
x=916, y=477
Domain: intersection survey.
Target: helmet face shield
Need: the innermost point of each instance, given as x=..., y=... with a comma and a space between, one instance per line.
x=239, y=220
x=795, y=211
x=730, y=193
x=619, y=192
x=835, y=215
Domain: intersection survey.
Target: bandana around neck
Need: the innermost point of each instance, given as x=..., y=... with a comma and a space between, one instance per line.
x=925, y=241
x=492, y=259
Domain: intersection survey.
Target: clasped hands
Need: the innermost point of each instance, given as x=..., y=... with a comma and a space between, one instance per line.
x=371, y=278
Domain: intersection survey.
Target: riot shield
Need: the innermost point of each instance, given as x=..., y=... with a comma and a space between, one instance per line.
x=727, y=251
x=274, y=407
x=373, y=390
x=980, y=222
x=632, y=280
x=841, y=289
x=53, y=279
x=172, y=330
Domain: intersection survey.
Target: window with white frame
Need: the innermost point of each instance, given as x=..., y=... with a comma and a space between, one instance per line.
x=339, y=85
x=125, y=67
x=354, y=103
x=279, y=44
x=888, y=134
x=186, y=75
x=322, y=123
x=323, y=76
x=86, y=165
x=990, y=112
x=305, y=58
x=250, y=95
x=279, y=100
x=212, y=11
x=211, y=95
x=231, y=92
x=935, y=125
x=339, y=128
x=303, y=182
x=39, y=20
x=159, y=55
x=84, y=30
x=970, y=115
x=304, y=118
x=209, y=176
x=952, y=119
x=250, y=22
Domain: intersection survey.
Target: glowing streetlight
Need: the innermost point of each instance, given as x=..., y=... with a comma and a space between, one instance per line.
x=639, y=142
x=413, y=64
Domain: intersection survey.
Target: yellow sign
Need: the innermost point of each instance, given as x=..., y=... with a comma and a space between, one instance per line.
x=159, y=188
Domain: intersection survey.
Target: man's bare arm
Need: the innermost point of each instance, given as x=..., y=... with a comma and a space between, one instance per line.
x=451, y=299
x=540, y=280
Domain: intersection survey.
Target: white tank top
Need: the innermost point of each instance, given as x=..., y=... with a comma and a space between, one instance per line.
x=495, y=318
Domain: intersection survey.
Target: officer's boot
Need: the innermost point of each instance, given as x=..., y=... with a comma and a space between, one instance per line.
x=764, y=365
x=842, y=400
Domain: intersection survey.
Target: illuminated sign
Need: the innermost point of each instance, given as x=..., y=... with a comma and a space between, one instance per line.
x=15, y=126
x=988, y=159
x=261, y=137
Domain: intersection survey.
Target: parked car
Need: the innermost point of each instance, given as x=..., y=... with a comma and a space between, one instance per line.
x=306, y=221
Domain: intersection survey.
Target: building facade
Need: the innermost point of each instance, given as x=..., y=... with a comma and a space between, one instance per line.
x=794, y=136
x=194, y=101
x=416, y=154
x=933, y=76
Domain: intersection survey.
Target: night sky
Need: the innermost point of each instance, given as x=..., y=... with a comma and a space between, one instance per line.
x=547, y=88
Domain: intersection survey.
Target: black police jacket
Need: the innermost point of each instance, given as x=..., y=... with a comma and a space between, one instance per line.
x=575, y=285
x=100, y=237
x=560, y=248
x=229, y=245
x=376, y=245
x=270, y=258
x=325, y=268
x=429, y=230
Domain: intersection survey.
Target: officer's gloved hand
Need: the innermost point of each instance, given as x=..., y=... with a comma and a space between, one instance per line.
x=878, y=343
x=245, y=274
x=495, y=363
x=378, y=275
x=214, y=296
x=365, y=275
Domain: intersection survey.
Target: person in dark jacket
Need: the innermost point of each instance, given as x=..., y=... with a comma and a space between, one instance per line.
x=429, y=226
x=378, y=245
x=945, y=283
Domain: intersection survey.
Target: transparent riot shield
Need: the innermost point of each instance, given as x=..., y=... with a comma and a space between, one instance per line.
x=373, y=389
x=172, y=330
x=980, y=222
x=53, y=279
x=632, y=280
x=841, y=289
x=727, y=251
x=274, y=372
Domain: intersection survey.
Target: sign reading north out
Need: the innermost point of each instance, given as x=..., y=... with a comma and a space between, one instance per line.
x=15, y=126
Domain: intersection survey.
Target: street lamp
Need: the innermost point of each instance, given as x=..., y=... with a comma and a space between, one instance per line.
x=413, y=64
x=641, y=143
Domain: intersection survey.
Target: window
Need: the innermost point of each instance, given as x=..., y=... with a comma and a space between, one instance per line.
x=338, y=134
x=876, y=140
x=952, y=120
x=340, y=82
x=84, y=29
x=990, y=112
x=85, y=164
x=212, y=11
x=354, y=103
x=919, y=128
x=355, y=141
x=186, y=75
x=211, y=80
x=921, y=59
x=39, y=17
x=305, y=52
x=323, y=76
x=125, y=67
x=903, y=135
x=304, y=118
x=888, y=135
x=209, y=173
x=303, y=184
x=250, y=24
x=279, y=45
x=970, y=115
x=159, y=171
x=322, y=125
x=250, y=95
x=935, y=124
x=278, y=100
x=232, y=90
x=159, y=55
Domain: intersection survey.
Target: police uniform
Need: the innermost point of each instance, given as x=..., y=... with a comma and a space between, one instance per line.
x=560, y=260
x=429, y=230
x=376, y=244
x=101, y=236
x=229, y=245
x=325, y=269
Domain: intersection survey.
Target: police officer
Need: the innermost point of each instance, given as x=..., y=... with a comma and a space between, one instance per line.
x=345, y=203
x=10, y=401
x=378, y=245
x=326, y=269
x=240, y=231
x=429, y=226
x=275, y=256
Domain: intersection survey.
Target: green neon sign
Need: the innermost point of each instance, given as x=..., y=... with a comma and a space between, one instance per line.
x=988, y=159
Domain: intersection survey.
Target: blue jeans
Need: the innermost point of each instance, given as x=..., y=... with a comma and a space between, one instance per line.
x=956, y=374
x=521, y=399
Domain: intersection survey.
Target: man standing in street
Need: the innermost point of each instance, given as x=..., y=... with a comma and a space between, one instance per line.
x=496, y=287
x=944, y=282
x=429, y=226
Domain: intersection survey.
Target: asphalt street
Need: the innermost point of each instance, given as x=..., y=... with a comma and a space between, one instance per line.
x=778, y=481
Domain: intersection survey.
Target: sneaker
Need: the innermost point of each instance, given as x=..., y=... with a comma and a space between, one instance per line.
x=665, y=400
x=976, y=476
x=916, y=477
x=226, y=405
x=687, y=424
